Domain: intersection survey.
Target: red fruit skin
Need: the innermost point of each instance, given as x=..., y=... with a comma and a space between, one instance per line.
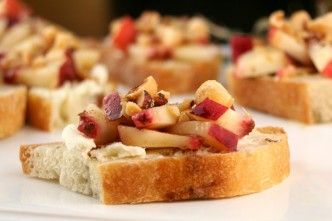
x=142, y=119
x=195, y=143
x=327, y=71
x=227, y=138
x=10, y=76
x=68, y=70
x=14, y=10
x=247, y=126
x=239, y=45
x=88, y=126
x=112, y=106
x=126, y=33
x=209, y=109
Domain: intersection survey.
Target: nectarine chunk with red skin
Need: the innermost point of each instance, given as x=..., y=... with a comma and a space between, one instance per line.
x=126, y=33
x=14, y=9
x=234, y=122
x=68, y=71
x=93, y=124
x=156, y=117
x=88, y=126
x=10, y=76
x=327, y=71
x=224, y=136
x=212, y=134
x=240, y=44
x=209, y=109
x=112, y=106
x=142, y=119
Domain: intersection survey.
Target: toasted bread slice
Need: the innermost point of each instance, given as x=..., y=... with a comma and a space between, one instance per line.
x=261, y=161
x=302, y=98
x=13, y=101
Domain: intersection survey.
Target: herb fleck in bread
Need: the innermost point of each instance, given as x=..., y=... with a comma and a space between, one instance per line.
x=262, y=160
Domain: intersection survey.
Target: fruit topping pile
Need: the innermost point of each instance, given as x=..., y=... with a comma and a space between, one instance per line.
x=155, y=37
x=143, y=117
x=295, y=46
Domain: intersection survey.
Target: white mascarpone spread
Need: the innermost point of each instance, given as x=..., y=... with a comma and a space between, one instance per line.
x=117, y=150
x=74, y=139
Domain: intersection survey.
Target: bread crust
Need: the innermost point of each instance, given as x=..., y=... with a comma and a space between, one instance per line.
x=169, y=178
x=183, y=77
x=193, y=177
x=12, y=110
x=39, y=112
x=284, y=98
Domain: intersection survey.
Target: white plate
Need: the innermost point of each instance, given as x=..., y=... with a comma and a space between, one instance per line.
x=305, y=195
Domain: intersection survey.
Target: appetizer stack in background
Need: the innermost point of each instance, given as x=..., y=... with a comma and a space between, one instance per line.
x=176, y=51
x=60, y=71
x=290, y=75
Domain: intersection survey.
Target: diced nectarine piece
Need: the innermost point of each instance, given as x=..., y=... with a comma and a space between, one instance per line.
x=213, y=135
x=94, y=125
x=131, y=108
x=125, y=34
x=240, y=44
x=321, y=55
x=149, y=84
x=259, y=62
x=223, y=116
x=155, y=139
x=288, y=44
x=157, y=117
x=215, y=91
x=209, y=109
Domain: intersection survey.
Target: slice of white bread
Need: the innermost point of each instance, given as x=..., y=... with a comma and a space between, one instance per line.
x=261, y=161
x=55, y=108
x=303, y=98
x=12, y=109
